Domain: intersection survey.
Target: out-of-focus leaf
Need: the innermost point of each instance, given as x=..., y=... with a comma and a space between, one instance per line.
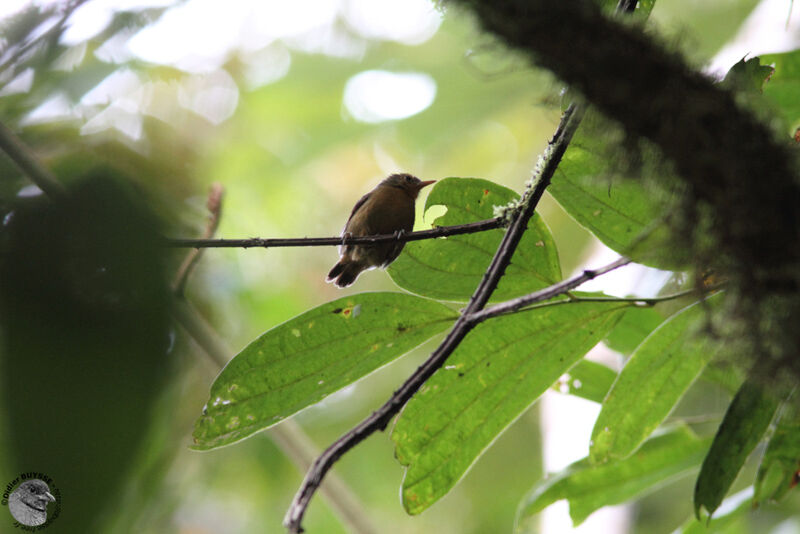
x=784, y=85
x=300, y=362
x=730, y=513
x=588, y=380
x=494, y=375
x=589, y=487
x=745, y=422
x=84, y=315
x=780, y=467
x=643, y=7
x=619, y=212
x=650, y=385
x=452, y=268
x=725, y=374
x=635, y=325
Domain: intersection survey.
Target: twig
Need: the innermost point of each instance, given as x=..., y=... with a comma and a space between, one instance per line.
x=29, y=164
x=560, y=288
x=439, y=231
x=380, y=418
x=548, y=293
x=214, y=205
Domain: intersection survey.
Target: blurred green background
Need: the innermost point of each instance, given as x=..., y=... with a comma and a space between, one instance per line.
x=297, y=110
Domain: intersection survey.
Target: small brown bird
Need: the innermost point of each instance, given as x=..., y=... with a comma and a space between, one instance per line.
x=28, y=503
x=387, y=209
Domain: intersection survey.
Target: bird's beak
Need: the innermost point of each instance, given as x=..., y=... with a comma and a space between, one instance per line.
x=425, y=183
x=49, y=496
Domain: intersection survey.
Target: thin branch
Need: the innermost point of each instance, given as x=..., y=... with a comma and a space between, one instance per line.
x=652, y=301
x=439, y=231
x=636, y=302
x=29, y=164
x=380, y=418
x=214, y=205
x=547, y=293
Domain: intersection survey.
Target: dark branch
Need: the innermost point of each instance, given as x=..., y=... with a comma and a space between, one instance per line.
x=440, y=231
x=381, y=417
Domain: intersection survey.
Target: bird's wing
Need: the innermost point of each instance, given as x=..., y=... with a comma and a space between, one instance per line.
x=360, y=203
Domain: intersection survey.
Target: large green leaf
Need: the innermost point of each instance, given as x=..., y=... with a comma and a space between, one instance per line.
x=452, y=268
x=784, y=85
x=650, y=385
x=589, y=487
x=499, y=369
x=779, y=467
x=309, y=357
x=618, y=211
x=745, y=422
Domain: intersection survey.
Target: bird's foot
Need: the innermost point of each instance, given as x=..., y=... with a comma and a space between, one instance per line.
x=398, y=234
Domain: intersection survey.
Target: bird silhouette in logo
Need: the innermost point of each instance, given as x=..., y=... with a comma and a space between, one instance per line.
x=28, y=503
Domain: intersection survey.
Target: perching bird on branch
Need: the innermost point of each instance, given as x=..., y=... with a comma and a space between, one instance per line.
x=387, y=209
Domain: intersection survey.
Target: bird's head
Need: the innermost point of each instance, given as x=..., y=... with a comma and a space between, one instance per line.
x=407, y=183
x=34, y=493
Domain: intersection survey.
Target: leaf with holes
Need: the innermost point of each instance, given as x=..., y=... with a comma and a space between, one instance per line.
x=499, y=370
x=300, y=362
x=451, y=268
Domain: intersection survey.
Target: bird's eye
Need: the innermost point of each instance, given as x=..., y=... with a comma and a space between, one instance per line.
x=408, y=178
x=32, y=489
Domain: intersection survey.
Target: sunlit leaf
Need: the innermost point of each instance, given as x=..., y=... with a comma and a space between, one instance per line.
x=589, y=487
x=499, y=370
x=309, y=357
x=745, y=422
x=452, y=268
x=650, y=385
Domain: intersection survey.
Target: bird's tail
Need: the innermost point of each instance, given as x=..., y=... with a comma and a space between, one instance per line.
x=345, y=273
